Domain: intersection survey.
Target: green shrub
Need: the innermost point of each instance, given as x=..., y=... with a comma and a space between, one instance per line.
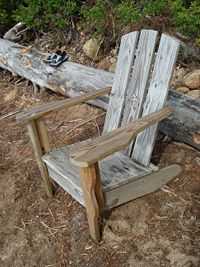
x=43, y=14
x=127, y=12
x=155, y=7
x=186, y=16
x=104, y=17
x=96, y=15
x=7, y=7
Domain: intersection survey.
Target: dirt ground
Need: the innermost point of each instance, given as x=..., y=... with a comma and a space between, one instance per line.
x=161, y=229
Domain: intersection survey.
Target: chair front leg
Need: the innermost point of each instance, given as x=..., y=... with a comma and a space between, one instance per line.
x=94, y=200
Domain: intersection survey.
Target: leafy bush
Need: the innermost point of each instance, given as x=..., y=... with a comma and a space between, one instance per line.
x=104, y=17
x=186, y=16
x=155, y=7
x=43, y=14
x=7, y=7
x=96, y=16
x=127, y=12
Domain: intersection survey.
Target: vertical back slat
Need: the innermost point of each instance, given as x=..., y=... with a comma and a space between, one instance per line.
x=123, y=68
x=156, y=97
x=137, y=86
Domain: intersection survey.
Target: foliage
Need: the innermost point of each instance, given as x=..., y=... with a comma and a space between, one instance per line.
x=186, y=16
x=104, y=17
x=127, y=12
x=7, y=7
x=97, y=15
x=43, y=14
x=155, y=7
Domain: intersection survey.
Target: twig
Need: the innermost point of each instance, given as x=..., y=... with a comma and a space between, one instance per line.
x=9, y=114
x=83, y=123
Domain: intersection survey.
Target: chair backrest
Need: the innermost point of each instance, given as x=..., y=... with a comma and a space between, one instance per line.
x=141, y=85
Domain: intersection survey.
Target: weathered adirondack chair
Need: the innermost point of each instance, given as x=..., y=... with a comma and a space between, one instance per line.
x=115, y=167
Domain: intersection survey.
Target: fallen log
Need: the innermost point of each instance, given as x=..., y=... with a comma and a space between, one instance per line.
x=72, y=79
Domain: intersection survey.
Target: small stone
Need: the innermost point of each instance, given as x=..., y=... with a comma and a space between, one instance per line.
x=113, y=67
x=192, y=79
x=178, y=75
x=104, y=64
x=11, y=95
x=113, y=60
x=183, y=89
x=91, y=48
x=194, y=93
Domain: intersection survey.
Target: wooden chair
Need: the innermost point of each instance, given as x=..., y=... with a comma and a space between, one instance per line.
x=114, y=168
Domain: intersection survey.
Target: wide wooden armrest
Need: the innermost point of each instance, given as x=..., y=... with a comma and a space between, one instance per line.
x=44, y=109
x=94, y=150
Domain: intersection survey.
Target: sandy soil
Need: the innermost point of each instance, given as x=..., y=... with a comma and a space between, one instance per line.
x=161, y=229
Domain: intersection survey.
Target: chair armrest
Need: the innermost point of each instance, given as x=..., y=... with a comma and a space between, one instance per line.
x=94, y=150
x=44, y=109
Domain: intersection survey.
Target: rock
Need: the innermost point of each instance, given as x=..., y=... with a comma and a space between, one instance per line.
x=194, y=93
x=104, y=64
x=192, y=79
x=91, y=48
x=183, y=89
x=11, y=95
x=113, y=60
x=113, y=67
x=178, y=75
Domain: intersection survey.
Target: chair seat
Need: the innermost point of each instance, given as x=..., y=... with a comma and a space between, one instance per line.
x=116, y=170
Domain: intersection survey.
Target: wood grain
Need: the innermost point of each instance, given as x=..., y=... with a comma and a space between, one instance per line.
x=119, y=88
x=89, y=181
x=32, y=130
x=41, y=110
x=43, y=135
x=141, y=186
x=116, y=140
x=156, y=96
x=67, y=79
x=137, y=85
x=115, y=171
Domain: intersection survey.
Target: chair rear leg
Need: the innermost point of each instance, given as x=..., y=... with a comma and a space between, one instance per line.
x=33, y=133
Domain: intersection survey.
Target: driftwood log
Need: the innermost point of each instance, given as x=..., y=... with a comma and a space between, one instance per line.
x=72, y=79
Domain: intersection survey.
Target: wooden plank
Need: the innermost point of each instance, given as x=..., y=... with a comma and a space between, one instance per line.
x=115, y=171
x=141, y=186
x=116, y=140
x=89, y=181
x=123, y=69
x=137, y=86
x=44, y=109
x=156, y=97
x=32, y=130
x=43, y=135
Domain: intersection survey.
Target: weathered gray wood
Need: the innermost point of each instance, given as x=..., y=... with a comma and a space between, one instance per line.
x=122, y=179
x=67, y=78
x=43, y=109
x=137, y=85
x=102, y=146
x=120, y=84
x=34, y=136
x=90, y=180
x=139, y=187
x=156, y=96
x=184, y=123
x=115, y=171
